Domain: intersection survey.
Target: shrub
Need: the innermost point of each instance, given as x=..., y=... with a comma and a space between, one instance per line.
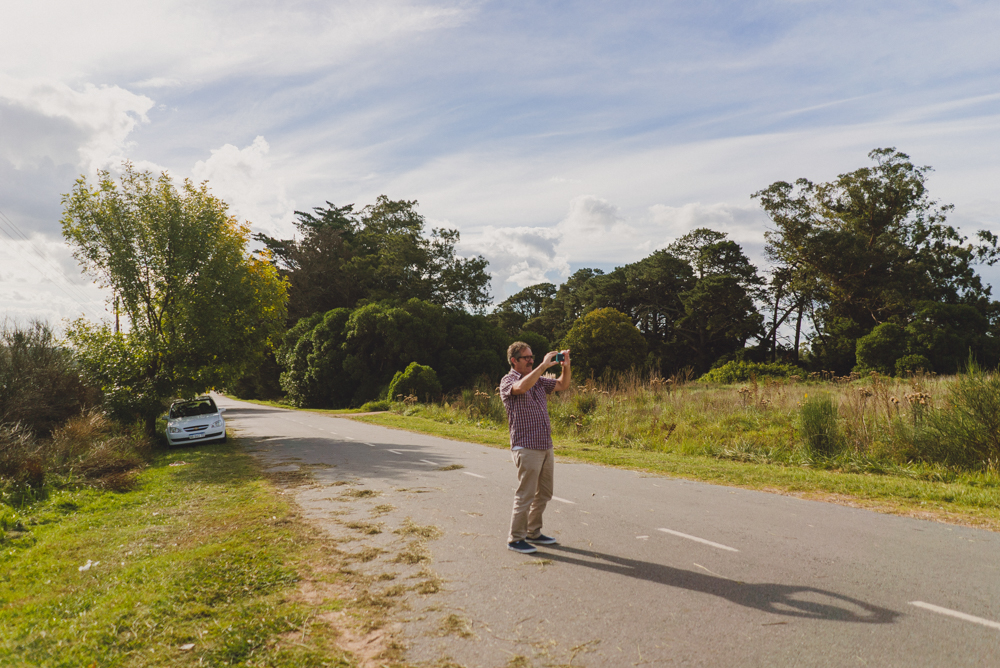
x=20, y=459
x=879, y=350
x=88, y=448
x=741, y=372
x=40, y=383
x=583, y=403
x=418, y=380
x=818, y=422
x=968, y=428
x=910, y=364
x=373, y=406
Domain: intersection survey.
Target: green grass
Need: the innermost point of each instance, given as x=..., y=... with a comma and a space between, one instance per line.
x=199, y=565
x=282, y=404
x=969, y=498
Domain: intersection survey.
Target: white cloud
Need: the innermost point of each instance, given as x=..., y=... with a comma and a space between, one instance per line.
x=521, y=256
x=741, y=223
x=253, y=188
x=87, y=127
x=40, y=280
x=197, y=42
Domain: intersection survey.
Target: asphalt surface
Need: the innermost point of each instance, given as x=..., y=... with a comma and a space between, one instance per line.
x=649, y=570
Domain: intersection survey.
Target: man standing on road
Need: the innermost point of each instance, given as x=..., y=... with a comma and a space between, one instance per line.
x=524, y=394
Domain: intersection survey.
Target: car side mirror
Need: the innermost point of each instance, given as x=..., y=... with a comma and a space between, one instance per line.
x=222, y=410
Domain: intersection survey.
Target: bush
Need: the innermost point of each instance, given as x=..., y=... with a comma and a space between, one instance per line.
x=968, y=428
x=879, y=350
x=374, y=406
x=741, y=372
x=20, y=459
x=418, y=380
x=88, y=448
x=818, y=422
x=910, y=364
x=40, y=383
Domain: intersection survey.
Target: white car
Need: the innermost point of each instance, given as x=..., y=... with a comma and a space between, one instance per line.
x=195, y=420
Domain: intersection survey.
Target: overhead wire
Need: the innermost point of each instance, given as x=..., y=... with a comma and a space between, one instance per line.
x=14, y=233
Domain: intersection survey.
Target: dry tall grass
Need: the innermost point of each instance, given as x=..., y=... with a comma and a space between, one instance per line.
x=884, y=425
x=88, y=449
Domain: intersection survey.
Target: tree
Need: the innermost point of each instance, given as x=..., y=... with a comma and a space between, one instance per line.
x=378, y=253
x=347, y=357
x=719, y=317
x=512, y=313
x=605, y=340
x=200, y=310
x=868, y=246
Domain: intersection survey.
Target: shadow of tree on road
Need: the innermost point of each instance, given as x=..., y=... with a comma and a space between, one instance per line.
x=778, y=599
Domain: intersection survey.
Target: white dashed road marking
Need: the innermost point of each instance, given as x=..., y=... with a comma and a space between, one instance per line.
x=428, y=462
x=956, y=614
x=562, y=500
x=698, y=540
x=474, y=475
x=396, y=452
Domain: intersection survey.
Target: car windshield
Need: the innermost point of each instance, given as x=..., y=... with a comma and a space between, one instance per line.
x=193, y=408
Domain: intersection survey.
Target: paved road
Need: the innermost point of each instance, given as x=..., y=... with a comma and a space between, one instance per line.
x=649, y=570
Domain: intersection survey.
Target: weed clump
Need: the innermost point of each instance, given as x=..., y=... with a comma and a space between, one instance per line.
x=818, y=421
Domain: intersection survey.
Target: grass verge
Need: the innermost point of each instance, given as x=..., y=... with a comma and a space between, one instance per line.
x=279, y=404
x=975, y=501
x=203, y=563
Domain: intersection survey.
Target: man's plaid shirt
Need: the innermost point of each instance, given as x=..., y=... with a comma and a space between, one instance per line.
x=528, y=413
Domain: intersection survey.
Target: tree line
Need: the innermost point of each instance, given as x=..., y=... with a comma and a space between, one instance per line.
x=864, y=274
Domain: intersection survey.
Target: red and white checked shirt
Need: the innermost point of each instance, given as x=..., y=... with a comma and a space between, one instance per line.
x=528, y=413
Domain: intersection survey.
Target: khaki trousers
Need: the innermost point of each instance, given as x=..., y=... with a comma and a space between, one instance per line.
x=534, y=490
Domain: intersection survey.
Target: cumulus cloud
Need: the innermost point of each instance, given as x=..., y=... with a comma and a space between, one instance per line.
x=521, y=256
x=87, y=127
x=247, y=181
x=741, y=223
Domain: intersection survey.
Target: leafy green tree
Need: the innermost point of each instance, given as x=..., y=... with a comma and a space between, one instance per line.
x=512, y=313
x=605, y=340
x=947, y=334
x=573, y=298
x=867, y=247
x=719, y=318
x=347, y=357
x=378, y=253
x=200, y=310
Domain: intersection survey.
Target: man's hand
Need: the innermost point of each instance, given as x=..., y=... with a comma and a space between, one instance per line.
x=567, y=373
x=550, y=359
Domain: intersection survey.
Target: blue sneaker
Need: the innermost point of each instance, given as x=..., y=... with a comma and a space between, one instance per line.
x=542, y=539
x=521, y=546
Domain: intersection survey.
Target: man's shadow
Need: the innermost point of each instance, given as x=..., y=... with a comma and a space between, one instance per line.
x=778, y=599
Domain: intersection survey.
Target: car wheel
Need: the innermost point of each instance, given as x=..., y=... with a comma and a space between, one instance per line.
x=223, y=439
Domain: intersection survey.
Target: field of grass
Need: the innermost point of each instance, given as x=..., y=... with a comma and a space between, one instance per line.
x=756, y=435
x=202, y=563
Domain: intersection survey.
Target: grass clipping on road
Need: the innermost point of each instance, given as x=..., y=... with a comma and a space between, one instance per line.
x=202, y=564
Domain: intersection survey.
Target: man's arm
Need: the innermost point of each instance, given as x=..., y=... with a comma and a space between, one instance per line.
x=525, y=383
x=567, y=373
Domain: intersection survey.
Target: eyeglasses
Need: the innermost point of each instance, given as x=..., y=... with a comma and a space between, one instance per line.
x=526, y=357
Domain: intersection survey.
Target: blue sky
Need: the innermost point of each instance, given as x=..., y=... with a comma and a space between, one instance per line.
x=552, y=135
